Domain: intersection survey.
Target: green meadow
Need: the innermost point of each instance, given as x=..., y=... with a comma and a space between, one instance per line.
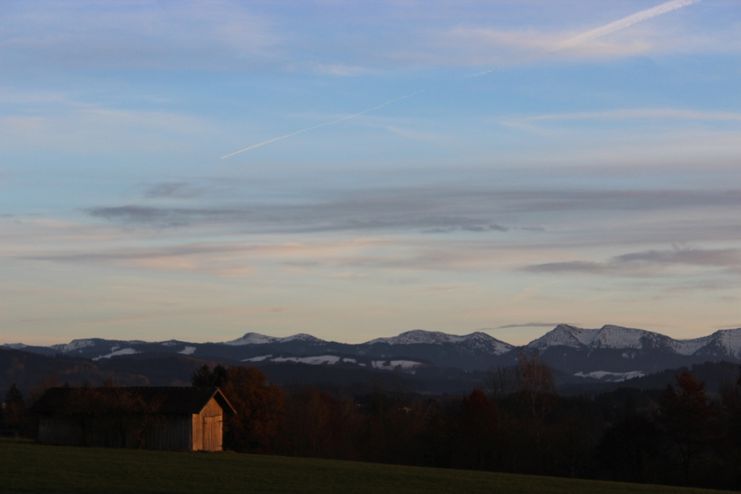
x=33, y=468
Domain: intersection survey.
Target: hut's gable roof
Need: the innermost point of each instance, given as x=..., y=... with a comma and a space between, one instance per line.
x=157, y=400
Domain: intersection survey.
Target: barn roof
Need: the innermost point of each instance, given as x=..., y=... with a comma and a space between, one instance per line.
x=159, y=400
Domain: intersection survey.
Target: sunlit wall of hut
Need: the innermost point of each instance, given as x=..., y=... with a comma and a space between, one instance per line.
x=171, y=418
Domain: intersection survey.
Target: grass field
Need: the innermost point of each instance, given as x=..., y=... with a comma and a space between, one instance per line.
x=28, y=467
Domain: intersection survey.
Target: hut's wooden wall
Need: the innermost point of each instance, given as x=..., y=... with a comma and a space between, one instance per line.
x=53, y=430
x=208, y=428
x=168, y=432
x=82, y=430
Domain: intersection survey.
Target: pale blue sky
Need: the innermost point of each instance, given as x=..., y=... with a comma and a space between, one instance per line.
x=591, y=177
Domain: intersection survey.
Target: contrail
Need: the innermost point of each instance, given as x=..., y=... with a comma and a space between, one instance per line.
x=592, y=34
x=610, y=28
x=326, y=123
x=626, y=22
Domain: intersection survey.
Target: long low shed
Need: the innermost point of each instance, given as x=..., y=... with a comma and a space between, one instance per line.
x=169, y=418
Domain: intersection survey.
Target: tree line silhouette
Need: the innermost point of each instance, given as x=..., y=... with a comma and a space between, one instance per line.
x=681, y=435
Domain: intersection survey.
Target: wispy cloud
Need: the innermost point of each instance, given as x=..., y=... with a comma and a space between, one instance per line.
x=58, y=121
x=681, y=114
x=526, y=325
x=340, y=70
x=468, y=228
x=326, y=217
x=692, y=257
x=571, y=267
x=465, y=229
x=235, y=259
x=648, y=262
x=504, y=46
x=223, y=34
x=172, y=190
x=432, y=209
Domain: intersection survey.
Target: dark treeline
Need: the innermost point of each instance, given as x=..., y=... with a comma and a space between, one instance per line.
x=676, y=436
x=680, y=435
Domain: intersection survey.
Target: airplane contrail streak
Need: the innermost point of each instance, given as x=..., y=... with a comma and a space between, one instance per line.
x=610, y=28
x=326, y=123
x=626, y=22
x=598, y=32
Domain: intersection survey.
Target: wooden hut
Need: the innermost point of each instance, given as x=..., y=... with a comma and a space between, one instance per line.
x=169, y=418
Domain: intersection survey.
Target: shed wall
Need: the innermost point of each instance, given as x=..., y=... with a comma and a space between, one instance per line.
x=208, y=428
x=168, y=432
x=53, y=430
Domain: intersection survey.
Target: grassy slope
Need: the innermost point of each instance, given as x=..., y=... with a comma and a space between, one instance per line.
x=28, y=467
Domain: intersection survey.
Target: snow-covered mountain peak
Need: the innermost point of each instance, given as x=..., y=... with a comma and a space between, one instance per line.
x=262, y=339
x=620, y=338
x=564, y=335
x=417, y=337
x=477, y=340
x=609, y=336
x=303, y=337
x=14, y=346
x=482, y=341
x=251, y=339
x=728, y=340
x=75, y=345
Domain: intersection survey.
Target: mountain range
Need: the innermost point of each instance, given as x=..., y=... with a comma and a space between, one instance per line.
x=608, y=354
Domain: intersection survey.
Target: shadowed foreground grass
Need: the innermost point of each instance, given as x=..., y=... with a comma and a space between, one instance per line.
x=29, y=467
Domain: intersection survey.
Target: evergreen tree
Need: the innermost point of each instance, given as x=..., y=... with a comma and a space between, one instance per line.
x=14, y=409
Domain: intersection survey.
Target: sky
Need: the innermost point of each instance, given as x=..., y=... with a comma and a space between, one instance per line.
x=353, y=169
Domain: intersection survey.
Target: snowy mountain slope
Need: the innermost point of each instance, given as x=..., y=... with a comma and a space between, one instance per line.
x=401, y=365
x=724, y=343
x=691, y=346
x=75, y=345
x=563, y=335
x=606, y=337
x=617, y=349
x=618, y=337
x=261, y=339
x=476, y=341
x=566, y=348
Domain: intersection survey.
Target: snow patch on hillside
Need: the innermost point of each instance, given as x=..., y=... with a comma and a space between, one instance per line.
x=395, y=364
x=117, y=353
x=613, y=377
x=188, y=350
x=314, y=360
x=309, y=360
x=259, y=358
x=74, y=345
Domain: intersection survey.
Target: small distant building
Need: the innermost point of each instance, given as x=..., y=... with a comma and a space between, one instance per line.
x=166, y=418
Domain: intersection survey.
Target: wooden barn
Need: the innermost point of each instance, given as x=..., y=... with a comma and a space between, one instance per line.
x=169, y=418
